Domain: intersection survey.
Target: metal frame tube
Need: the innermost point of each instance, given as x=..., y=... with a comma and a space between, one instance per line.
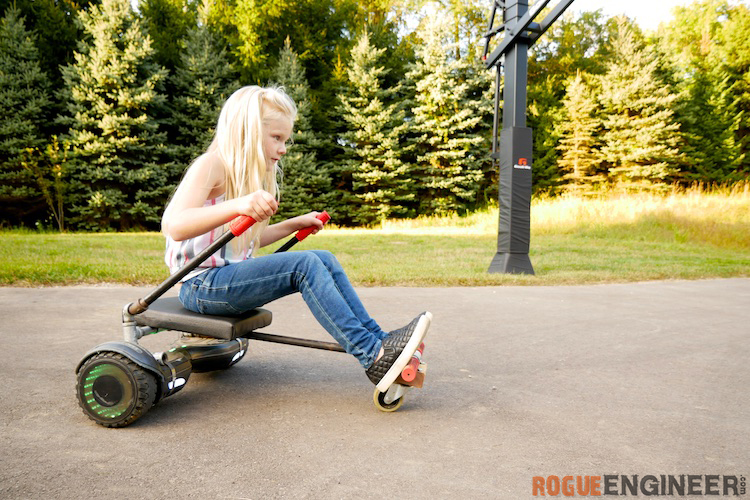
x=283, y=339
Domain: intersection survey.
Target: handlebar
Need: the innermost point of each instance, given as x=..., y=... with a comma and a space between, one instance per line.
x=304, y=233
x=241, y=224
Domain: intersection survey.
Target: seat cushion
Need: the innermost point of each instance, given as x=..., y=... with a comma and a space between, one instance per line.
x=168, y=314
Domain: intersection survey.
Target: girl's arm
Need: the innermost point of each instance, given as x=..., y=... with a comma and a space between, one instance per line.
x=283, y=229
x=186, y=217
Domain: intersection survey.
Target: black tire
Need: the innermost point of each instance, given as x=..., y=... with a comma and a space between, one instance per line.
x=113, y=391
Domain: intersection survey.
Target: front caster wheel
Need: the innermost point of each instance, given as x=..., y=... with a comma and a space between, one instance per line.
x=379, y=398
x=114, y=391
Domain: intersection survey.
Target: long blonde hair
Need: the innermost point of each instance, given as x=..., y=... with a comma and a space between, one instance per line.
x=239, y=143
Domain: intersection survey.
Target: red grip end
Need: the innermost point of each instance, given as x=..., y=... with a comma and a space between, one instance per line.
x=409, y=373
x=241, y=224
x=304, y=233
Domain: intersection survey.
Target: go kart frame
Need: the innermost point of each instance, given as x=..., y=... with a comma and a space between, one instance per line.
x=119, y=381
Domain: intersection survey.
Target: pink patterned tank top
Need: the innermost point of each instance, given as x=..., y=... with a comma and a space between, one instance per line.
x=180, y=252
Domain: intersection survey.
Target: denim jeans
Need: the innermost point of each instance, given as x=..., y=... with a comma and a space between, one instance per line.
x=237, y=288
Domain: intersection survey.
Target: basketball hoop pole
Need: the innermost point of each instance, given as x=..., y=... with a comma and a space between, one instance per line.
x=516, y=142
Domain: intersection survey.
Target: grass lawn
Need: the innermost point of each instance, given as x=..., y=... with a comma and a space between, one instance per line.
x=682, y=235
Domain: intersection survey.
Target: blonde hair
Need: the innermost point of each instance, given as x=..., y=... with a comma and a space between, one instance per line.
x=239, y=143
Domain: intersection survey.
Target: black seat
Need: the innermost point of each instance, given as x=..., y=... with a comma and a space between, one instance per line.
x=168, y=314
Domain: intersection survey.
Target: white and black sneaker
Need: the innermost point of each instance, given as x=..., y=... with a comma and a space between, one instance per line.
x=398, y=348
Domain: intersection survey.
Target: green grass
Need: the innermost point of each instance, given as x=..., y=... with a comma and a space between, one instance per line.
x=683, y=235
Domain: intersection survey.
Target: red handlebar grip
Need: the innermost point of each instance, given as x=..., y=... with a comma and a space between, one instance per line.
x=241, y=224
x=409, y=373
x=304, y=233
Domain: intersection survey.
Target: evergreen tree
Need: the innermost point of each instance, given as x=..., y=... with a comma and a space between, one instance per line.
x=479, y=100
x=544, y=116
x=322, y=33
x=24, y=99
x=376, y=128
x=640, y=135
x=121, y=173
x=708, y=109
x=306, y=181
x=448, y=119
x=381, y=19
x=578, y=146
x=315, y=28
x=710, y=122
x=203, y=80
x=167, y=22
x=573, y=43
x=734, y=57
x=56, y=34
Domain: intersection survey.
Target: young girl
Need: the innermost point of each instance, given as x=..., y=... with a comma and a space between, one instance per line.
x=237, y=176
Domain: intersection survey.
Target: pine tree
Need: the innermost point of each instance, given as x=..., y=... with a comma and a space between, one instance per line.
x=24, y=99
x=120, y=167
x=376, y=128
x=710, y=123
x=640, y=136
x=573, y=43
x=708, y=110
x=167, y=22
x=734, y=58
x=315, y=27
x=545, y=117
x=306, y=182
x=53, y=23
x=578, y=146
x=203, y=80
x=449, y=114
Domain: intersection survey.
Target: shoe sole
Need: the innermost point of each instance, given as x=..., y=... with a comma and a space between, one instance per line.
x=420, y=331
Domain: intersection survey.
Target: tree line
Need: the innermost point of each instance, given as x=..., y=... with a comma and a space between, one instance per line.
x=104, y=106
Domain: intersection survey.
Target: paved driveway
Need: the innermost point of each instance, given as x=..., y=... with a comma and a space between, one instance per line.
x=646, y=378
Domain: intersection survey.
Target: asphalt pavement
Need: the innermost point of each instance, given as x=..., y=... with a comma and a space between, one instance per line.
x=522, y=383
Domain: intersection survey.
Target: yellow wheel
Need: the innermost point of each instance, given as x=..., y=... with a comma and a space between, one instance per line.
x=379, y=400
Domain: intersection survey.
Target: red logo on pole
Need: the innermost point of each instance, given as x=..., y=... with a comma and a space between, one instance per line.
x=522, y=161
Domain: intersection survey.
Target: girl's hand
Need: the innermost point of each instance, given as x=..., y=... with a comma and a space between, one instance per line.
x=259, y=205
x=308, y=220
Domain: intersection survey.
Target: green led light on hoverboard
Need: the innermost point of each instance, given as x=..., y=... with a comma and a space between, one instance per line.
x=93, y=405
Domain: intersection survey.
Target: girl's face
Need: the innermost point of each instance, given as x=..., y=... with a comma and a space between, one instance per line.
x=276, y=134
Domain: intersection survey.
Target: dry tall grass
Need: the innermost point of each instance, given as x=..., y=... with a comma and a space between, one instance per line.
x=717, y=214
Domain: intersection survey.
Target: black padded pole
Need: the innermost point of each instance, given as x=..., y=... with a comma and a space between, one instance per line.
x=516, y=141
x=516, y=145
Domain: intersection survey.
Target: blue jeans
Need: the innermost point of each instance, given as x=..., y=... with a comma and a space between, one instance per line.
x=234, y=289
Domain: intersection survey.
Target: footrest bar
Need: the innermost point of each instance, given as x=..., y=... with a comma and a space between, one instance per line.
x=283, y=339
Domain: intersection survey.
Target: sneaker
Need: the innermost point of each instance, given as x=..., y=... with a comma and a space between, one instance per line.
x=193, y=340
x=398, y=348
x=404, y=330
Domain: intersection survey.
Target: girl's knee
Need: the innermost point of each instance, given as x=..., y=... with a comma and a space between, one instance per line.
x=307, y=260
x=326, y=257
x=308, y=266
